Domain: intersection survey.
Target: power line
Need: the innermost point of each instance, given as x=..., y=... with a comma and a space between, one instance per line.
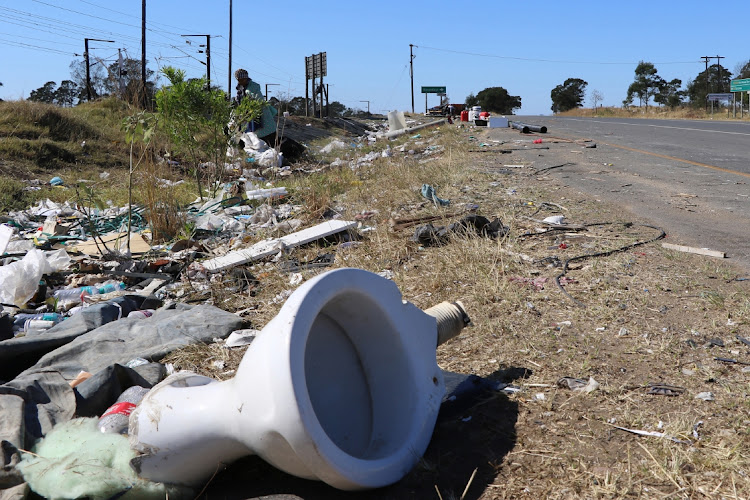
x=38, y=47
x=527, y=59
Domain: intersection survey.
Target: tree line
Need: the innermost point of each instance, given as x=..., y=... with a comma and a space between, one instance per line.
x=648, y=86
x=124, y=81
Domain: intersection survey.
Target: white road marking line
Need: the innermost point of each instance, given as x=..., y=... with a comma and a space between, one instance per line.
x=657, y=126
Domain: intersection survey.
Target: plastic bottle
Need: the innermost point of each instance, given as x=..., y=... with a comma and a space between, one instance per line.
x=37, y=325
x=111, y=287
x=115, y=419
x=75, y=293
x=20, y=319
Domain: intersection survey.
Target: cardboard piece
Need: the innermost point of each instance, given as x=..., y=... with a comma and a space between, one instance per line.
x=117, y=242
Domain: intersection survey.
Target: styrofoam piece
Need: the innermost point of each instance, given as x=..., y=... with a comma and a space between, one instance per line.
x=259, y=194
x=267, y=248
x=6, y=232
x=554, y=219
x=498, y=122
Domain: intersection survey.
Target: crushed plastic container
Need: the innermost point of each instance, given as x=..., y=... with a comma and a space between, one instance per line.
x=115, y=419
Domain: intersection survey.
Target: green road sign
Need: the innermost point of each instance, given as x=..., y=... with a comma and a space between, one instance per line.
x=433, y=90
x=739, y=85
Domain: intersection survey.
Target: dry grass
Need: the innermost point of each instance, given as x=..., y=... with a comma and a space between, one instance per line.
x=648, y=318
x=657, y=112
x=649, y=314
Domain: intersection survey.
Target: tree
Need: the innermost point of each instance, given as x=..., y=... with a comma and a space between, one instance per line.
x=138, y=127
x=646, y=84
x=569, y=95
x=98, y=77
x=497, y=100
x=669, y=93
x=471, y=100
x=126, y=81
x=66, y=93
x=708, y=81
x=45, y=93
x=335, y=108
x=596, y=97
x=194, y=118
x=742, y=69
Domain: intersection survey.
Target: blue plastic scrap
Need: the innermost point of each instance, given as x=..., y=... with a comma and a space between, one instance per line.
x=429, y=193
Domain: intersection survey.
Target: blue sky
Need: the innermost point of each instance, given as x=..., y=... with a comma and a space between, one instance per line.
x=526, y=47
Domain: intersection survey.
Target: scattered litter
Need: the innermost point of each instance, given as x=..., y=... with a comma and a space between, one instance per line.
x=429, y=193
x=430, y=235
x=387, y=274
x=705, y=396
x=577, y=384
x=554, y=219
x=697, y=426
x=240, y=338
x=715, y=342
x=665, y=390
x=334, y=144
x=295, y=265
x=732, y=361
x=652, y=434
x=540, y=281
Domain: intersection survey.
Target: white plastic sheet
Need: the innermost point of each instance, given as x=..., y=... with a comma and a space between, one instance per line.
x=19, y=280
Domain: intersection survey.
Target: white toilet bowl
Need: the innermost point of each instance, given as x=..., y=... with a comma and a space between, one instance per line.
x=341, y=386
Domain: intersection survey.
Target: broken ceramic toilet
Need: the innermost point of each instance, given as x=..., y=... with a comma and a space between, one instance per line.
x=341, y=386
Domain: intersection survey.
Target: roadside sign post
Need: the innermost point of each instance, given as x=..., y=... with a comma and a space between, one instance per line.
x=719, y=97
x=740, y=85
x=431, y=90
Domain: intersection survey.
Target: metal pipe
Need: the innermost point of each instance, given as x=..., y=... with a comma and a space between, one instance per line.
x=526, y=128
x=520, y=126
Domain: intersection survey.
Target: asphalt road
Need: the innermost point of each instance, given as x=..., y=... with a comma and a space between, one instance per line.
x=689, y=177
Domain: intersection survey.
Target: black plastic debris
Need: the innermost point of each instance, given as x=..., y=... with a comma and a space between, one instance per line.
x=665, y=390
x=430, y=235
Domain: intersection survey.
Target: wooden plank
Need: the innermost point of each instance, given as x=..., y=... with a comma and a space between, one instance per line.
x=266, y=248
x=699, y=251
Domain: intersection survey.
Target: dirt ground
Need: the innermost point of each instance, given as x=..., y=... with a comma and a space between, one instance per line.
x=656, y=341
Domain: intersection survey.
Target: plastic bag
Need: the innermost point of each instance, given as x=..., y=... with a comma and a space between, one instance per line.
x=19, y=280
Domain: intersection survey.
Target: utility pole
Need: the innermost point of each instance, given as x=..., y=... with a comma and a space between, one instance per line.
x=143, y=51
x=267, y=88
x=368, y=107
x=86, y=58
x=718, y=63
x=411, y=74
x=208, y=57
x=708, y=90
x=229, y=78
